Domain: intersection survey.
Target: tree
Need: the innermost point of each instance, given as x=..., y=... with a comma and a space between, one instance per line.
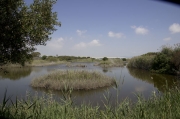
x=123, y=59
x=44, y=57
x=36, y=54
x=105, y=59
x=23, y=27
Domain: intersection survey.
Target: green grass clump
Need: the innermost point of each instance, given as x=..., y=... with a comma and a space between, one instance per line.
x=166, y=106
x=73, y=79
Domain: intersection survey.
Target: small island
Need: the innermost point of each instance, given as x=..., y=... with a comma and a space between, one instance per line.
x=73, y=79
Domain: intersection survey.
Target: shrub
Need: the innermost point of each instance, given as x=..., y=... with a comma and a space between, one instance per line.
x=123, y=59
x=105, y=59
x=168, y=60
x=141, y=62
x=52, y=59
x=43, y=57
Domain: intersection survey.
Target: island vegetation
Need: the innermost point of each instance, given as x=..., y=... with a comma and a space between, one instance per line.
x=73, y=79
x=166, y=61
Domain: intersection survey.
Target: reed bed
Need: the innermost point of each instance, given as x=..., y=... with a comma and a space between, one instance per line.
x=73, y=79
x=166, y=106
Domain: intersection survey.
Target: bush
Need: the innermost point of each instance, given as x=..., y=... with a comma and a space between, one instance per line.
x=168, y=60
x=43, y=57
x=123, y=59
x=141, y=62
x=162, y=64
x=52, y=59
x=105, y=59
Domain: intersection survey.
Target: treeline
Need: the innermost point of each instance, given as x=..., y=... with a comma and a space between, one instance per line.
x=166, y=61
x=62, y=58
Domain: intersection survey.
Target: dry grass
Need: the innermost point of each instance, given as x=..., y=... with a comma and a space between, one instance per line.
x=45, y=63
x=73, y=79
x=111, y=62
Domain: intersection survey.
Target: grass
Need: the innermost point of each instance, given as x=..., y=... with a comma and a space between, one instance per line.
x=166, y=106
x=111, y=62
x=45, y=62
x=84, y=60
x=73, y=79
x=35, y=62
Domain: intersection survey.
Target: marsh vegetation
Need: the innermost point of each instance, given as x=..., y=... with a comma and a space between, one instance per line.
x=164, y=106
x=166, y=61
x=73, y=79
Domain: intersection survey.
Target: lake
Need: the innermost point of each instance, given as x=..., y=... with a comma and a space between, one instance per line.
x=130, y=83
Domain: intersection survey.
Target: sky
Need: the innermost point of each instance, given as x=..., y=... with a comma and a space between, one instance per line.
x=113, y=28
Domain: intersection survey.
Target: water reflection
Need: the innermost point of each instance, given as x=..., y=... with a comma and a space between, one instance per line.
x=129, y=81
x=105, y=70
x=13, y=73
x=160, y=81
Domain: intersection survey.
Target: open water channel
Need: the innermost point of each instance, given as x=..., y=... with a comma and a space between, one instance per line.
x=130, y=82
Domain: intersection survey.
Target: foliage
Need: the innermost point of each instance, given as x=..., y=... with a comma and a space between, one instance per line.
x=141, y=62
x=176, y=57
x=166, y=106
x=52, y=59
x=43, y=57
x=36, y=54
x=67, y=58
x=124, y=59
x=162, y=64
x=150, y=53
x=105, y=59
x=22, y=27
x=167, y=61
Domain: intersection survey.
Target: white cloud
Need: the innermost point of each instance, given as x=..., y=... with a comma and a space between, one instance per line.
x=80, y=45
x=94, y=43
x=140, y=30
x=52, y=47
x=167, y=39
x=80, y=33
x=116, y=35
x=90, y=44
x=175, y=28
x=55, y=44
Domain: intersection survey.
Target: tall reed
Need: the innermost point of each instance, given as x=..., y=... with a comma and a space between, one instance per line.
x=165, y=106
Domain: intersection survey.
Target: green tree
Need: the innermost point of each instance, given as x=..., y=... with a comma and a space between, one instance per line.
x=23, y=27
x=123, y=59
x=105, y=59
x=36, y=54
x=43, y=57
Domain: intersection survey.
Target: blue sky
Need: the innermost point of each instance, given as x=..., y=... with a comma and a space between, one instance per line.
x=113, y=28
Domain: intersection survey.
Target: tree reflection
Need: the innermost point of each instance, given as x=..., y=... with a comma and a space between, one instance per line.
x=160, y=81
x=105, y=70
x=13, y=73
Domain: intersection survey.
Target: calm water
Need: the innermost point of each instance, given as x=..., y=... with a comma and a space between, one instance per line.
x=130, y=82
